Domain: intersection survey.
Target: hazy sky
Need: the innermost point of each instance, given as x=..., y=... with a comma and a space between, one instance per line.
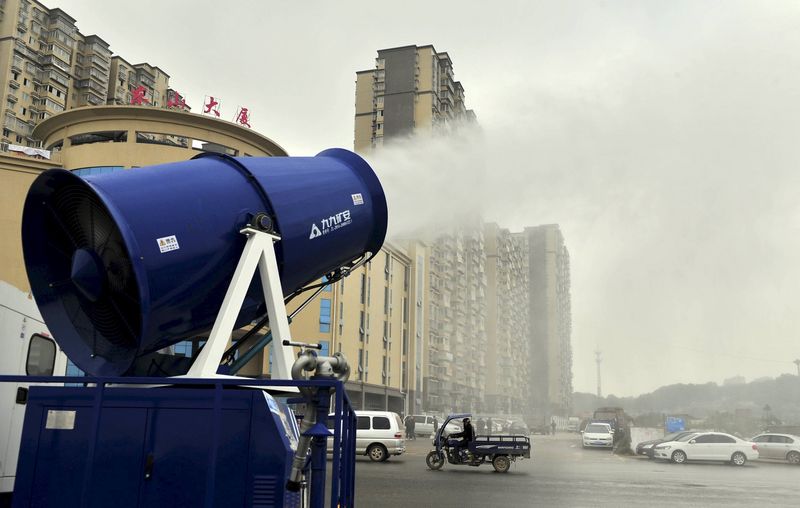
x=661, y=136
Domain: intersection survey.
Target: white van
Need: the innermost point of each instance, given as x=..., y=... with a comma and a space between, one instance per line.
x=379, y=434
x=423, y=425
x=26, y=349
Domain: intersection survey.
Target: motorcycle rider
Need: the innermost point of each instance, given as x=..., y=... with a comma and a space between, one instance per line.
x=467, y=435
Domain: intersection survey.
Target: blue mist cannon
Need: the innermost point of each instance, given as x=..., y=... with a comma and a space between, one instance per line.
x=125, y=264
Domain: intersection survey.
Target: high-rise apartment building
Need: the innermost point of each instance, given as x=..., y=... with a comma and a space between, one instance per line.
x=457, y=304
x=493, y=306
x=506, y=321
x=47, y=66
x=411, y=89
x=550, y=321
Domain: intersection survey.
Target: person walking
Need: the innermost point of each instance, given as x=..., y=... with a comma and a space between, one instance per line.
x=435, y=425
x=410, y=427
x=553, y=426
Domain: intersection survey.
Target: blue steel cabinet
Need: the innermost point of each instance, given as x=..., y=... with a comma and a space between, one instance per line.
x=154, y=447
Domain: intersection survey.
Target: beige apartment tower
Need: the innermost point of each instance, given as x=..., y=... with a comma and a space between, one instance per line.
x=412, y=89
x=48, y=66
x=550, y=321
x=506, y=321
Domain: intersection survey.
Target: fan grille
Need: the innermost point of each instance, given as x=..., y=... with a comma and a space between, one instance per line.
x=111, y=325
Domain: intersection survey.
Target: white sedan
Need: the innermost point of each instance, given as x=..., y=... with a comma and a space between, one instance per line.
x=708, y=446
x=598, y=435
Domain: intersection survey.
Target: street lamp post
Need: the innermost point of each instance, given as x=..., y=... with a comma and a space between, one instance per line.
x=797, y=363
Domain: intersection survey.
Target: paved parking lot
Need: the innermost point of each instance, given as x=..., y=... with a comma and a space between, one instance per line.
x=561, y=473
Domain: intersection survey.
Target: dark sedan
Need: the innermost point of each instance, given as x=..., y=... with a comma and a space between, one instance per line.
x=647, y=447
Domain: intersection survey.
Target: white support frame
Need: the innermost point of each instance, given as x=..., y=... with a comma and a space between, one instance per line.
x=259, y=253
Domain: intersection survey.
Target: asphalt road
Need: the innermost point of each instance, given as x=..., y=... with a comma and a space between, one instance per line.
x=561, y=473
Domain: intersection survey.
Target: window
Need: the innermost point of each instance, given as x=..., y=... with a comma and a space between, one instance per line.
x=761, y=439
x=97, y=170
x=326, y=289
x=325, y=351
x=57, y=146
x=155, y=138
x=361, y=327
x=363, y=423
x=705, y=439
x=386, y=300
x=341, y=318
x=208, y=146
x=325, y=315
x=99, y=137
x=363, y=288
x=41, y=356
x=381, y=423
x=73, y=370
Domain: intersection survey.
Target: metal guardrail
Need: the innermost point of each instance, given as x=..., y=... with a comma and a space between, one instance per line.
x=342, y=482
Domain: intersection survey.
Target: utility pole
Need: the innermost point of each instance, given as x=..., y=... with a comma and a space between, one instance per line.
x=797, y=362
x=598, y=360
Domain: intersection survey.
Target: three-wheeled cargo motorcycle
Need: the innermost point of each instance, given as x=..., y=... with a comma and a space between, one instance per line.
x=500, y=451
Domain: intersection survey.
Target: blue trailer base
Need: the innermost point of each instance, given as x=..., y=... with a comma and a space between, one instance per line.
x=208, y=443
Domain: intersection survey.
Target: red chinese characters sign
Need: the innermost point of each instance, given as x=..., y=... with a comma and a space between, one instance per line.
x=176, y=101
x=138, y=95
x=211, y=106
x=243, y=117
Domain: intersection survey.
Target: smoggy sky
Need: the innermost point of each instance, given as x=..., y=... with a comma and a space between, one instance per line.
x=662, y=136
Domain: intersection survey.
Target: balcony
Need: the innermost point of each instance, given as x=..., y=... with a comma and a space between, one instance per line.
x=100, y=64
x=13, y=83
x=12, y=98
x=24, y=50
x=16, y=64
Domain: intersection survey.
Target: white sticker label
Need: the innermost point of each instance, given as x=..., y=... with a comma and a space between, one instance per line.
x=332, y=223
x=358, y=199
x=63, y=420
x=168, y=243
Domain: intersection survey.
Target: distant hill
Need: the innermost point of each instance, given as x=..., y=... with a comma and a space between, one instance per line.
x=781, y=394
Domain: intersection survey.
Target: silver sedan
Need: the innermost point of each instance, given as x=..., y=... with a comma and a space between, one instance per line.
x=778, y=446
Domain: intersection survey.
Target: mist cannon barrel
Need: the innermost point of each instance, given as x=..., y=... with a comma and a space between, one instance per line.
x=127, y=263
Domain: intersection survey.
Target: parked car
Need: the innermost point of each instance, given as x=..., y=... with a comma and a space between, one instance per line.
x=423, y=425
x=519, y=428
x=708, y=446
x=647, y=447
x=598, y=435
x=573, y=424
x=379, y=434
x=778, y=446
